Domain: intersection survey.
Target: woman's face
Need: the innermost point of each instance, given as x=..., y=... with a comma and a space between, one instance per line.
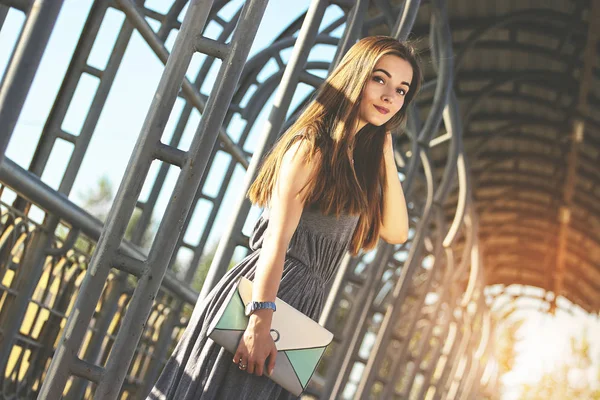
x=384, y=94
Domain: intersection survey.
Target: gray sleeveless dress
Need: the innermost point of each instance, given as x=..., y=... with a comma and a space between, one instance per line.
x=199, y=369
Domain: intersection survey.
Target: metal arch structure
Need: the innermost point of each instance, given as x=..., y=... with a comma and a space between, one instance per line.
x=85, y=313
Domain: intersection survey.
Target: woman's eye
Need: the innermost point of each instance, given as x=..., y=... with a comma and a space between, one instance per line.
x=378, y=79
x=401, y=92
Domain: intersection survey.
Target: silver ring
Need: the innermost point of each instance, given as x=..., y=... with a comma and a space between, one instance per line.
x=241, y=365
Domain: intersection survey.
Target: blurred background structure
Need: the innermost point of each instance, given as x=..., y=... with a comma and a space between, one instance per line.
x=178, y=101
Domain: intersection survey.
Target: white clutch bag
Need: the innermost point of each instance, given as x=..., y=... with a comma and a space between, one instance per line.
x=300, y=341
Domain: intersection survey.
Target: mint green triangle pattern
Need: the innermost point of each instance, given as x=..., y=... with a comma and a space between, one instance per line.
x=305, y=362
x=233, y=317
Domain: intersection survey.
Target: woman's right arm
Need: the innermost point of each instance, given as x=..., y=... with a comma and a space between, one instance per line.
x=285, y=209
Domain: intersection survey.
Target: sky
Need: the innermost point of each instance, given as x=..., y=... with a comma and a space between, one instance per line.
x=126, y=109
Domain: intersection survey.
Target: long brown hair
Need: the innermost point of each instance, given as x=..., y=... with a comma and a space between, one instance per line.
x=326, y=127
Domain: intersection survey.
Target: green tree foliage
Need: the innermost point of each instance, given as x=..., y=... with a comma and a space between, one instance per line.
x=508, y=337
x=98, y=200
x=204, y=266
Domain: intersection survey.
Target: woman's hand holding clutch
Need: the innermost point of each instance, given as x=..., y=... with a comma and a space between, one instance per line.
x=257, y=345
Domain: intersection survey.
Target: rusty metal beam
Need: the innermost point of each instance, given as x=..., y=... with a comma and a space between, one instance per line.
x=577, y=137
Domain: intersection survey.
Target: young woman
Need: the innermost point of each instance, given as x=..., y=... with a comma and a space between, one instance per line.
x=329, y=185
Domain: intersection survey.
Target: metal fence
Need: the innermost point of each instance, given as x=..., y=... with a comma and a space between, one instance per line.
x=86, y=313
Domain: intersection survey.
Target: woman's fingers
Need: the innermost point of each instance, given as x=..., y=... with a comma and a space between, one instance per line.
x=253, y=359
x=241, y=363
x=271, y=358
x=241, y=357
x=265, y=365
x=251, y=366
x=258, y=369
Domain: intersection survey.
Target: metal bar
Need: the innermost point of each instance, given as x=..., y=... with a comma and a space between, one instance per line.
x=400, y=360
x=170, y=154
x=104, y=319
x=475, y=373
x=411, y=169
x=36, y=191
x=170, y=20
x=342, y=363
x=400, y=291
x=136, y=18
x=93, y=71
x=23, y=5
x=53, y=125
x=131, y=185
x=3, y=14
x=183, y=194
x=445, y=297
x=310, y=79
x=24, y=63
x=335, y=288
x=441, y=42
x=450, y=354
x=146, y=216
x=131, y=265
x=95, y=108
x=153, y=14
x=454, y=365
x=24, y=282
x=161, y=347
x=147, y=207
x=160, y=350
x=387, y=12
x=76, y=67
x=354, y=25
x=577, y=139
x=212, y=47
x=344, y=4
x=66, y=136
x=405, y=22
x=86, y=370
x=451, y=117
x=281, y=104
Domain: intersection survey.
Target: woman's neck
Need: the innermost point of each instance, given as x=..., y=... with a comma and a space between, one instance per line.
x=360, y=123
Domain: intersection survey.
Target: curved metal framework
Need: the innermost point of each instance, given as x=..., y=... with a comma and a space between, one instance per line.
x=500, y=152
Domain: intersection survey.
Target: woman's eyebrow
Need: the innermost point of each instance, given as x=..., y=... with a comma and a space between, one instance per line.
x=390, y=75
x=384, y=71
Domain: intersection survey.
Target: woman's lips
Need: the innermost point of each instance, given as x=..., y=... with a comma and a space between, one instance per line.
x=382, y=110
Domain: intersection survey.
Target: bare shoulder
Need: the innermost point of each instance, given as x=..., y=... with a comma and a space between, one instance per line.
x=300, y=161
x=286, y=201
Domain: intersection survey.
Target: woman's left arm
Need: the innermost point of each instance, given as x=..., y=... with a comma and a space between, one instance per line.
x=394, y=229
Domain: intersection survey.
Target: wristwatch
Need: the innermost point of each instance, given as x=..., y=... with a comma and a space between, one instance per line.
x=259, y=305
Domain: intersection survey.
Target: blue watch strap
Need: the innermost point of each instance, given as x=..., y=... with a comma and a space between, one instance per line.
x=259, y=305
